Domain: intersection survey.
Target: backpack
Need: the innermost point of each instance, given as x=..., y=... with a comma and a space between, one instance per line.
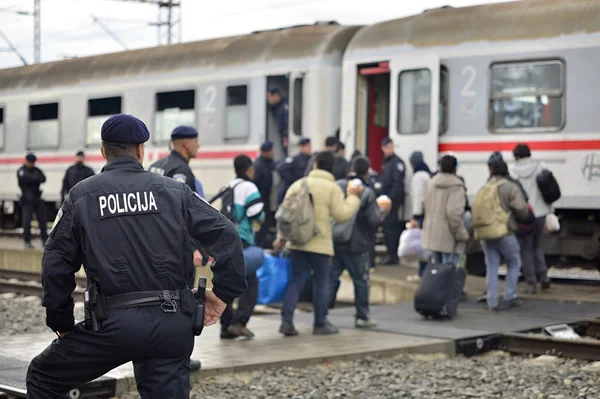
x=342, y=232
x=226, y=195
x=296, y=216
x=490, y=220
x=548, y=186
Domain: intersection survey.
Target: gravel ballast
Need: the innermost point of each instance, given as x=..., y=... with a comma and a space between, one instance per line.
x=494, y=375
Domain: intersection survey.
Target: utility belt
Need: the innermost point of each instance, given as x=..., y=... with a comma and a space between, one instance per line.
x=97, y=306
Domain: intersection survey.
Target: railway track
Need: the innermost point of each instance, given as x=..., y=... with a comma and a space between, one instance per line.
x=28, y=283
x=564, y=344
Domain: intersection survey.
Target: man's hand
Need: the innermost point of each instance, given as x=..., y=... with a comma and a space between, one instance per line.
x=284, y=141
x=213, y=308
x=277, y=245
x=351, y=189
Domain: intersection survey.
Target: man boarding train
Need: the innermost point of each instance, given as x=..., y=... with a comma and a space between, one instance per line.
x=138, y=254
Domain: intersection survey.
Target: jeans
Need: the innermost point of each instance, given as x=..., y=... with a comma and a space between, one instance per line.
x=302, y=263
x=357, y=265
x=446, y=258
x=532, y=256
x=506, y=247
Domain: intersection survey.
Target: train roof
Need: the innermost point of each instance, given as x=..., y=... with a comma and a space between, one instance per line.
x=305, y=41
x=517, y=20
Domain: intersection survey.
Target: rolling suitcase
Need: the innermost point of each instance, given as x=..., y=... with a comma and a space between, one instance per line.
x=439, y=293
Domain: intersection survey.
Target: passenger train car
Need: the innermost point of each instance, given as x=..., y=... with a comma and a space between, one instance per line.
x=467, y=81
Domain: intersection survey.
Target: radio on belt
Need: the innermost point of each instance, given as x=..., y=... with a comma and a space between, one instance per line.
x=199, y=316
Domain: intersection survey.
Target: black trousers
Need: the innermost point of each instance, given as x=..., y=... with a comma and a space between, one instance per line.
x=262, y=237
x=246, y=305
x=532, y=256
x=158, y=343
x=29, y=208
x=391, y=231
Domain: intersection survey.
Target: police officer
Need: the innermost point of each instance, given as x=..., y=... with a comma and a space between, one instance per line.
x=392, y=185
x=264, y=166
x=75, y=173
x=279, y=109
x=30, y=177
x=341, y=167
x=185, y=146
x=292, y=168
x=115, y=223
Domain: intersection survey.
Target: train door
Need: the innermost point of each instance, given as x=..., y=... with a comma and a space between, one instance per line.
x=372, y=111
x=414, y=106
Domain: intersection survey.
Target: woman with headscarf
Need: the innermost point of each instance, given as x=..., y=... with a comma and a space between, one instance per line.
x=420, y=178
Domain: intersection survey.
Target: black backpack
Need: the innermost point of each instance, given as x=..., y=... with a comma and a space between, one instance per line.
x=226, y=195
x=548, y=186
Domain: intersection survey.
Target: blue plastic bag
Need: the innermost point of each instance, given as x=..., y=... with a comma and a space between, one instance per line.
x=273, y=278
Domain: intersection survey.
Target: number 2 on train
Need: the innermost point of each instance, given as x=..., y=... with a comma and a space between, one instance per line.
x=210, y=95
x=467, y=90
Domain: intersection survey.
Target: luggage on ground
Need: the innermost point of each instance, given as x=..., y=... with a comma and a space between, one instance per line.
x=439, y=291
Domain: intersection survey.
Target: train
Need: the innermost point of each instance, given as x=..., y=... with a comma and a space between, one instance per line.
x=466, y=81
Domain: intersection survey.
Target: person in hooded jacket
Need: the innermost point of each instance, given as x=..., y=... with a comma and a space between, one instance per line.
x=420, y=179
x=526, y=170
x=444, y=230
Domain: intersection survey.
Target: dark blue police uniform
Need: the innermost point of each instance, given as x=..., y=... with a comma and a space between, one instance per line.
x=392, y=185
x=292, y=169
x=263, y=178
x=131, y=231
x=30, y=179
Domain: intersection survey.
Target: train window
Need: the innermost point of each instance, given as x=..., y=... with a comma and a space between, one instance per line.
x=237, y=123
x=99, y=110
x=298, y=95
x=1, y=128
x=443, y=111
x=173, y=108
x=44, y=126
x=527, y=96
x=414, y=101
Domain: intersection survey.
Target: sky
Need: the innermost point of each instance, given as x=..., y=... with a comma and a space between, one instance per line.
x=68, y=29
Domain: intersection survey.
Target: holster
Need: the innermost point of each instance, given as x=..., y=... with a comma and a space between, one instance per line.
x=95, y=307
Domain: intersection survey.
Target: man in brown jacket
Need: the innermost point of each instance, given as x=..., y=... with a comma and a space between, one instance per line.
x=444, y=232
x=328, y=202
x=496, y=229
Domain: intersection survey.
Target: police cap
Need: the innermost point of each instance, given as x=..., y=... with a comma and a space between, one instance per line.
x=184, y=132
x=303, y=141
x=386, y=141
x=30, y=157
x=496, y=156
x=125, y=129
x=266, y=146
x=79, y=154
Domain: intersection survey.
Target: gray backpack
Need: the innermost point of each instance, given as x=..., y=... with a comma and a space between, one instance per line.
x=296, y=217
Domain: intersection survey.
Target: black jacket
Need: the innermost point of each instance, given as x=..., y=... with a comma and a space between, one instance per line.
x=29, y=182
x=263, y=177
x=131, y=231
x=392, y=179
x=341, y=166
x=368, y=219
x=290, y=170
x=175, y=166
x=73, y=175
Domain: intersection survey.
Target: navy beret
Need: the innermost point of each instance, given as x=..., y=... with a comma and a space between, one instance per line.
x=273, y=90
x=184, y=132
x=266, y=146
x=304, y=141
x=496, y=156
x=79, y=154
x=124, y=128
x=386, y=141
x=30, y=157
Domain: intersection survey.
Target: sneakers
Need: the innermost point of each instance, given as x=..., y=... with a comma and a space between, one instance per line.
x=288, y=330
x=545, y=285
x=361, y=323
x=228, y=335
x=29, y=246
x=530, y=289
x=240, y=331
x=327, y=329
x=507, y=305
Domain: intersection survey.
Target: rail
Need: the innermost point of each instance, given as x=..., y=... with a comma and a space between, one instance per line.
x=28, y=283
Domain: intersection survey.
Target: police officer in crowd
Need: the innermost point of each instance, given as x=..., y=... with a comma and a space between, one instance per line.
x=292, y=168
x=392, y=185
x=341, y=167
x=184, y=146
x=30, y=177
x=264, y=166
x=75, y=173
x=116, y=224
x=279, y=109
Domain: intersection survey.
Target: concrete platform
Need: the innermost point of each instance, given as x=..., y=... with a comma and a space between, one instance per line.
x=267, y=349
